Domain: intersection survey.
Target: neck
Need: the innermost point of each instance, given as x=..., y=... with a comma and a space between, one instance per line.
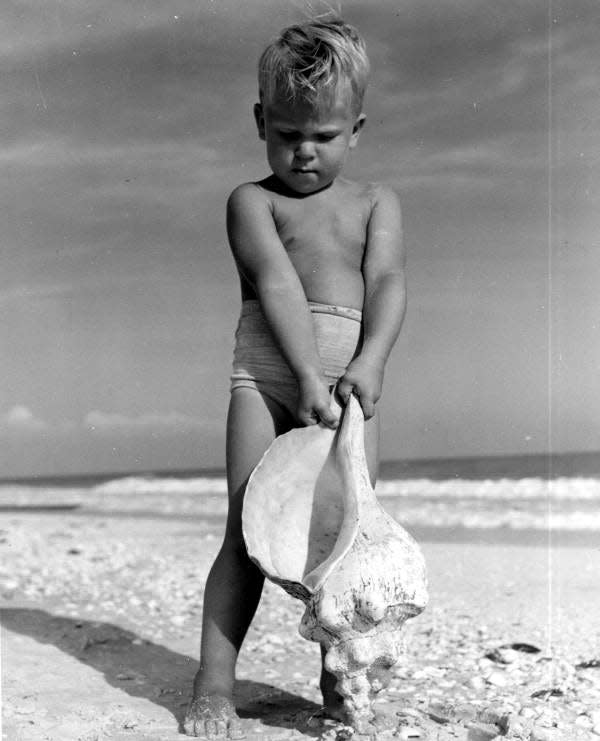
x=274, y=184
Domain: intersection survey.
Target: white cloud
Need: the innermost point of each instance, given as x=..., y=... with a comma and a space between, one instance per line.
x=59, y=151
x=20, y=417
x=111, y=422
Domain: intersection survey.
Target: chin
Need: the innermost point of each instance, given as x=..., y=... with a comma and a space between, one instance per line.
x=301, y=188
x=306, y=189
x=310, y=187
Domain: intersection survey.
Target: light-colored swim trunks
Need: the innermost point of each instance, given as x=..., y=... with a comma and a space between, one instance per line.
x=258, y=363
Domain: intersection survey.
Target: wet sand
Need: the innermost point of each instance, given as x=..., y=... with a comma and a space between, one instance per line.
x=101, y=614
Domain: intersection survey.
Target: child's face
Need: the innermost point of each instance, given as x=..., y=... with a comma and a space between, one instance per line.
x=307, y=147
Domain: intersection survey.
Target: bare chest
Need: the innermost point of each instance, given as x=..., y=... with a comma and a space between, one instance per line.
x=331, y=227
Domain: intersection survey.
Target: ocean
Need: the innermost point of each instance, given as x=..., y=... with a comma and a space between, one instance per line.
x=434, y=499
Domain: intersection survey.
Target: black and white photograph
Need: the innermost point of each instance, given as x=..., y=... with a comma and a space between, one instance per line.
x=300, y=387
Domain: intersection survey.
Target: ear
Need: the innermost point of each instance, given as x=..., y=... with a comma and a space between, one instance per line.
x=356, y=129
x=259, y=117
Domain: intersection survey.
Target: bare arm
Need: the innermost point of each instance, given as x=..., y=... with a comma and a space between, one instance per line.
x=384, y=304
x=262, y=260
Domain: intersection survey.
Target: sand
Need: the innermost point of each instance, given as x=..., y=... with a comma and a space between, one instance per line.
x=101, y=614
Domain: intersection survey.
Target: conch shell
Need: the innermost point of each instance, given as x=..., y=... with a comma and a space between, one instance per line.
x=313, y=525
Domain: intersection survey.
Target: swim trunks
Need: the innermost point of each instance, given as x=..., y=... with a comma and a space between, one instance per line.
x=258, y=363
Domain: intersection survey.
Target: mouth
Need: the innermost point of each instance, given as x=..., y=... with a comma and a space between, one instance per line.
x=304, y=171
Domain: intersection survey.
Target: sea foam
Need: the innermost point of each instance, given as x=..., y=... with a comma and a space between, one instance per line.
x=569, y=504
x=519, y=489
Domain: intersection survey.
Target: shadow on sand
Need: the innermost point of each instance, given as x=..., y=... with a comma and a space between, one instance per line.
x=151, y=671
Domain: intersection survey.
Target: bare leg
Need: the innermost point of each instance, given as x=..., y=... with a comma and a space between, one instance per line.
x=234, y=584
x=332, y=700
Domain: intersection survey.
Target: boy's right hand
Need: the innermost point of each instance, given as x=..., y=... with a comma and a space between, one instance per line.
x=314, y=403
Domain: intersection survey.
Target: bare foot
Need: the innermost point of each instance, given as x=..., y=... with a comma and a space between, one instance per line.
x=212, y=717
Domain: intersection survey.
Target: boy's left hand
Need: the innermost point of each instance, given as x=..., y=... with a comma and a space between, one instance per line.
x=364, y=379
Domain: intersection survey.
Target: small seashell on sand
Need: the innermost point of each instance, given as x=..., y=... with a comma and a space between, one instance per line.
x=481, y=732
x=498, y=679
x=313, y=525
x=476, y=683
x=406, y=733
x=583, y=721
x=539, y=733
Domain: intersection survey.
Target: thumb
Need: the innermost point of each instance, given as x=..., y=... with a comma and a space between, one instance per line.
x=306, y=417
x=327, y=416
x=368, y=407
x=344, y=389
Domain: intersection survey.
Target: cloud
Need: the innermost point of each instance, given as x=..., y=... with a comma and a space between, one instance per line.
x=21, y=419
x=450, y=74
x=126, y=76
x=142, y=208
x=150, y=422
x=119, y=72
x=124, y=128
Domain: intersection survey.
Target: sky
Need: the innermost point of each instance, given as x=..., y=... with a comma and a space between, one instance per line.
x=126, y=125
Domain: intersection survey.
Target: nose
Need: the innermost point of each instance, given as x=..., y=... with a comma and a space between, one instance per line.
x=305, y=150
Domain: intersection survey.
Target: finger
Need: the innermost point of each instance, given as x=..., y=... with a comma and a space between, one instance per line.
x=328, y=417
x=343, y=390
x=307, y=418
x=368, y=406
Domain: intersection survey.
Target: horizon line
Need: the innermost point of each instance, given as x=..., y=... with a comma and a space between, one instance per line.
x=442, y=463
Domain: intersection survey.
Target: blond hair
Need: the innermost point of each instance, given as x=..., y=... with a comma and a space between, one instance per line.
x=311, y=62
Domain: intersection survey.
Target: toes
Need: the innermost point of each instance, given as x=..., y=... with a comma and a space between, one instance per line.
x=198, y=723
x=216, y=729
x=235, y=730
x=211, y=729
x=219, y=730
x=189, y=724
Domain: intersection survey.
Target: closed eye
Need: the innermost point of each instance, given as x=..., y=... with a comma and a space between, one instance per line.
x=288, y=136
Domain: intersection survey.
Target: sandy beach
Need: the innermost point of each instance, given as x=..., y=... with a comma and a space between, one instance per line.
x=101, y=614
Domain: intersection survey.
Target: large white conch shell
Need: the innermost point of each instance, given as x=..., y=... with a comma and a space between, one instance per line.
x=312, y=523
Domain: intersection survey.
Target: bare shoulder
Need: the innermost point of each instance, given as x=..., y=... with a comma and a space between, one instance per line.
x=247, y=195
x=383, y=196
x=250, y=225
x=371, y=194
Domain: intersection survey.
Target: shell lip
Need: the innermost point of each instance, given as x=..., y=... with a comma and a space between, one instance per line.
x=349, y=528
x=313, y=580
x=255, y=549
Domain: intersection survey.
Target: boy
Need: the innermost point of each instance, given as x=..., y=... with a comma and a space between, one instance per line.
x=321, y=268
